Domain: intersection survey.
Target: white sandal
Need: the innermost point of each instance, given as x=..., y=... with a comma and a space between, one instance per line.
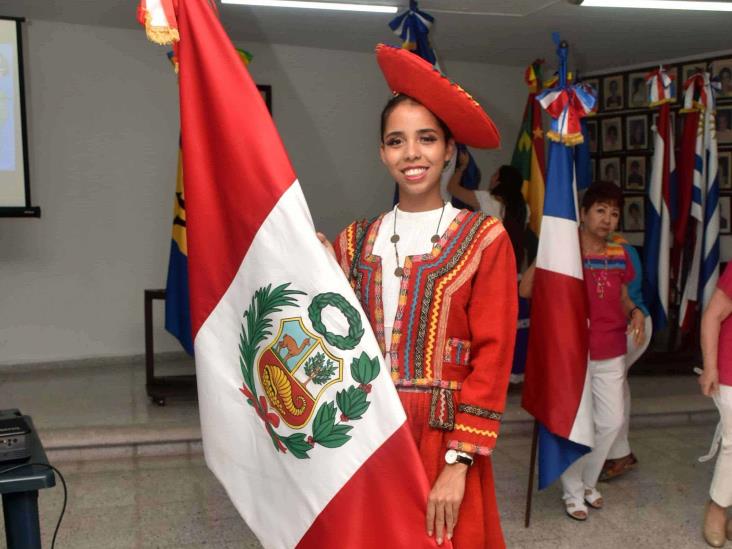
x=575, y=508
x=593, y=498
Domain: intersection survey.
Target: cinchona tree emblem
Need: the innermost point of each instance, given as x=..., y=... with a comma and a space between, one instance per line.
x=295, y=367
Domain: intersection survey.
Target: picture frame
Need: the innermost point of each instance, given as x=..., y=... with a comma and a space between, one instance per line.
x=724, y=170
x=612, y=134
x=610, y=170
x=636, y=127
x=690, y=68
x=637, y=93
x=265, y=91
x=612, y=93
x=725, y=214
x=592, y=135
x=636, y=173
x=722, y=69
x=723, y=124
x=634, y=213
x=595, y=83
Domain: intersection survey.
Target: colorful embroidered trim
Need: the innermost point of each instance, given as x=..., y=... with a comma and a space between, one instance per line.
x=473, y=430
x=442, y=409
x=470, y=448
x=425, y=382
x=457, y=351
x=480, y=412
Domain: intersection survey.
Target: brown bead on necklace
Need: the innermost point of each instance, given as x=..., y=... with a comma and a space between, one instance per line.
x=399, y=271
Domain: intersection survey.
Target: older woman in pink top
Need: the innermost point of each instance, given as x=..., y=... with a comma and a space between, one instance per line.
x=716, y=381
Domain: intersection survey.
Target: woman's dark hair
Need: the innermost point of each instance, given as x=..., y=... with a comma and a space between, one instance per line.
x=398, y=100
x=508, y=190
x=510, y=182
x=602, y=191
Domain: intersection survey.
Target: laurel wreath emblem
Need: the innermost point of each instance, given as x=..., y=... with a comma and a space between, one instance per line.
x=328, y=429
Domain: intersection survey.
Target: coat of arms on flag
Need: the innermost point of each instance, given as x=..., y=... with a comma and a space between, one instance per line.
x=297, y=366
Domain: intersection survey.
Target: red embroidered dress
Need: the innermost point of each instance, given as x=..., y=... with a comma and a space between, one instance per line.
x=451, y=348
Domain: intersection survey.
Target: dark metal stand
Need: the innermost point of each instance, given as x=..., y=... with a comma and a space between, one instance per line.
x=532, y=470
x=159, y=388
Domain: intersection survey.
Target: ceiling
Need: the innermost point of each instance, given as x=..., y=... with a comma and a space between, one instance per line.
x=506, y=32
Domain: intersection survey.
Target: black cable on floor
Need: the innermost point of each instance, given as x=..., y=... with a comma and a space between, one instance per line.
x=63, y=482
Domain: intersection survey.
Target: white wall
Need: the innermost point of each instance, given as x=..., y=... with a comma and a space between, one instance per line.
x=103, y=127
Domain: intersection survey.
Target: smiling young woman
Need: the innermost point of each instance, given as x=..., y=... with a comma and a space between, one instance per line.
x=438, y=286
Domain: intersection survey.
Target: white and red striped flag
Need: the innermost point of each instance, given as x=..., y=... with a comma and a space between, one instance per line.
x=301, y=423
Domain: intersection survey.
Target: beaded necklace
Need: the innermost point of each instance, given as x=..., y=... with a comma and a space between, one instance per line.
x=399, y=271
x=599, y=276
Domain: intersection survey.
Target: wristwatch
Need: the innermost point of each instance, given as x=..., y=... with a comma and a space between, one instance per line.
x=455, y=456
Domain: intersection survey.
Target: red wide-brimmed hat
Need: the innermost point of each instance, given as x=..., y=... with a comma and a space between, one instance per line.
x=409, y=74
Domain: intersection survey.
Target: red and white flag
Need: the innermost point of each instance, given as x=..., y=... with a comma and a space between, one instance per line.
x=301, y=422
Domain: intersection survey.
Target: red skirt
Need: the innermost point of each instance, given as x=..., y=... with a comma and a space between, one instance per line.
x=479, y=524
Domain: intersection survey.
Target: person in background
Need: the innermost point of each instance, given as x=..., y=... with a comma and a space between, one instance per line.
x=504, y=200
x=607, y=271
x=716, y=382
x=621, y=459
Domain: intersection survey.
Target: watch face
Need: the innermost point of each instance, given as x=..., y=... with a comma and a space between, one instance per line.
x=451, y=457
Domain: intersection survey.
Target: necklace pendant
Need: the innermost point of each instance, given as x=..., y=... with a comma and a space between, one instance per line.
x=435, y=238
x=398, y=272
x=395, y=238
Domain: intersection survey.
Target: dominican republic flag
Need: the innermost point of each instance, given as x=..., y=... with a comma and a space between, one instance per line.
x=556, y=389
x=301, y=423
x=704, y=211
x=657, y=243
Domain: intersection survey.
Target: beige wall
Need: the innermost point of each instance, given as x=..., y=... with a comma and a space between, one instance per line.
x=103, y=126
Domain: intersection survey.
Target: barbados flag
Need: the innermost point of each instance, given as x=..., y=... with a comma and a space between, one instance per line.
x=177, y=305
x=556, y=389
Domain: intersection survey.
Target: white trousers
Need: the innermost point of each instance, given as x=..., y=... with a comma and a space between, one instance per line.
x=621, y=446
x=721, y=489
x=606, y=381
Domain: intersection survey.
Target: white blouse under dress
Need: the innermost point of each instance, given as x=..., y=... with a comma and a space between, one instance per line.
x=415, y=230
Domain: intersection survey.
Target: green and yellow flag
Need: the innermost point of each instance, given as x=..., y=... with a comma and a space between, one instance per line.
x=528, y=157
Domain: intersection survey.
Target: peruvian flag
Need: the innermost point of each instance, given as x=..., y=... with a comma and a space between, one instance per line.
x=301, y=422
x=556, y=388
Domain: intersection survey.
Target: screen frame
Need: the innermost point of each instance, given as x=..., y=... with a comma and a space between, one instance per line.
x=27, y=210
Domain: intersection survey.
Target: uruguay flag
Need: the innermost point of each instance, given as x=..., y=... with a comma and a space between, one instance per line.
x=657, y=242
x=301, y=422
x=556, y=389
x=704, y=269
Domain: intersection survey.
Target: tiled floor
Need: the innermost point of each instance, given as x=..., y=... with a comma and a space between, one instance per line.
x=175, y=502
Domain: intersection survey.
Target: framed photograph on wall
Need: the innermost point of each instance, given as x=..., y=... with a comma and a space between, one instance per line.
x=724, y=124
x=724, y=215
x=636, y=127
x=635, y=173
x=637, y=90
x=634, y=214
x=722, y=69
x=592, y=133
x=612, y=134
x=610, y=170
x=724, y=163
x=593, y=166
x=691, y=68
x=612, y=93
